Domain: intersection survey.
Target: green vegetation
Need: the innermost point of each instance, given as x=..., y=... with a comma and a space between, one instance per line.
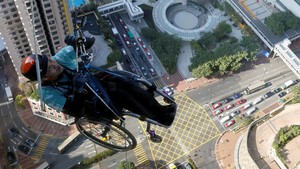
x=296, y=92
x=126, y=165
x=20, y=101
x=166, y=47
x=285, y=135
x=243, y=121
x=113, y=57
x=148, y=15
x=216, y=4
x=97, y=158
x=281, y=21
x=229, y=57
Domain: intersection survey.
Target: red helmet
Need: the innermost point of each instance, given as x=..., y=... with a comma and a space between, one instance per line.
x=28, y=68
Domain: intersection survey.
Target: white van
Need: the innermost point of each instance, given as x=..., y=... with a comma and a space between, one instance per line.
x=251, y=110
x=257, y=100
x=224, y=119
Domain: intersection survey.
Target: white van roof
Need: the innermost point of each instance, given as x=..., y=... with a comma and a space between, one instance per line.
x=224, y=119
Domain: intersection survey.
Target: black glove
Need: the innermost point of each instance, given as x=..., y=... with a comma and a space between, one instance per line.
x=78, y=82
x=72, y=41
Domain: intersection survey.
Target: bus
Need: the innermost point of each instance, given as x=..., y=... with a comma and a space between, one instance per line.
x=71, y=139
x=44, y=165
x=255, y=87
x=130, y=35
x=9, y=94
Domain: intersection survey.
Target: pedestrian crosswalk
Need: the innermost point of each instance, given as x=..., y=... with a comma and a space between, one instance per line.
x=39, y=151
x=141, y=157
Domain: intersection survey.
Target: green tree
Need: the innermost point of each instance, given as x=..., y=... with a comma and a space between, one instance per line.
x=222, y=30
x=207, y=39
x=204, y=70
x=126, y=165
x=113, y=58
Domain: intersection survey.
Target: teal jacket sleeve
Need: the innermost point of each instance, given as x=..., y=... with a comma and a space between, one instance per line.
x=53, y=98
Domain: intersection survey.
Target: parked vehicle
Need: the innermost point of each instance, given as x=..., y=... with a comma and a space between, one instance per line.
x=234, y=113
x=229, y=107
x=251, y=111
x=230, y=123
x=11, y=157
x=246, y=106
x=227, y=100
x=287, y=84
x=241, y=101
x=268, y=94
x=282, y=94
x=15, y=132
x=257, y=100
x=277, y=90
x=217, y=112
x=29, y=142
x=225, y=119
x=236, y=95
x=216, y=106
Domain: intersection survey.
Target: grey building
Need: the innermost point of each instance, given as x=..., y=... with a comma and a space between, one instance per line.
x=33, y=26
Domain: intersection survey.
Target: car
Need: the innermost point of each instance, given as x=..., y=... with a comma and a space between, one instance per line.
x=268, y=94
x=128, y=44
x=230, y=123
x=172, y=166
x=234, y=113
x=29, y=142
x=218, y=111
x=236, y=95
x=167, y=90
x=277, y=90
x=15, y=132
x=245, y=107
x=24, y=149
x=282, y=94
x=134, y=44
x=11, y=157
x=152, y=71
x=239, y=102
x=144, y=46
x=123, y=51
x=228, y=106
x=144, y=71
x=187, y=165
x=125, y=37
x=137, y=48
x=216, y=106
x=227, y=100
x=126, y=28
x=121, y=21
x=139, y=39
x=149, y=55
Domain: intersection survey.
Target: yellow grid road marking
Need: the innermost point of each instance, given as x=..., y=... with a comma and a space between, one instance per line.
x=191, y=129
x=141, y=156
x=39, y=151
x=158, y=84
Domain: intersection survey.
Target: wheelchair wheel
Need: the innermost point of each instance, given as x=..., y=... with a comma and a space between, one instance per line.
x=106, y=133
x=156, y=139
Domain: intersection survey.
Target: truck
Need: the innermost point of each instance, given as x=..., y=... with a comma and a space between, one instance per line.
x=287, y=84
x=8, y=94
x=115, y=31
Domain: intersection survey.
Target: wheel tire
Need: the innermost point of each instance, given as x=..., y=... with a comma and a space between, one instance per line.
x=129, y=139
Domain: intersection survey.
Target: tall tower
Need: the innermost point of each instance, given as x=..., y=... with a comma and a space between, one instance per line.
x=34, y=26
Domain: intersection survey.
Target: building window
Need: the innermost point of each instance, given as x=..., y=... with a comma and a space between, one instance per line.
x=15, y=15
x=47, y=5
x=7, y=17
x=3, y=6
x=55, y=37
x=11, y=4
x=9, y=23
x=50, y=16
x=54, y=33
x=52, y=27
x=48, y=11
x=13, y=9
x=56, y=43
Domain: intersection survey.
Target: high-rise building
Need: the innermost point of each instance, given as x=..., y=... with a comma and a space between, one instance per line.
x=34, y=26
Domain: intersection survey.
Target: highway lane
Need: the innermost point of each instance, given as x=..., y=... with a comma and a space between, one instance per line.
x=275, y=72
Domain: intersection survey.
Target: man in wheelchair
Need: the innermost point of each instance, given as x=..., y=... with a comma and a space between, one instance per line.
x=59, y=79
